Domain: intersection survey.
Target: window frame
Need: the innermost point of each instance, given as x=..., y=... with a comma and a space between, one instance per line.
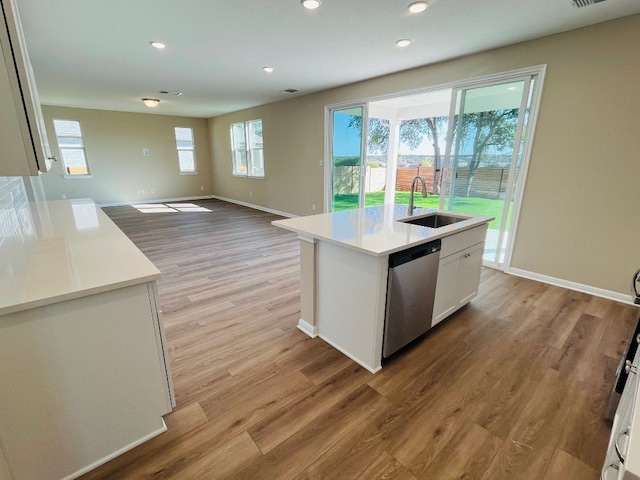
x=191, y=149
x=62, y=148
x=245, y=153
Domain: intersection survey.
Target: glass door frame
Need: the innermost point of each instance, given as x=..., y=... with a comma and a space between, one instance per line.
x=328, y=148
x=535, y=76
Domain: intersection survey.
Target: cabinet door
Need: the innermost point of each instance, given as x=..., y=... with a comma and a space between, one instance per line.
x=18, y=84
x=469, y=275
x=91, y=371
x=446, y=302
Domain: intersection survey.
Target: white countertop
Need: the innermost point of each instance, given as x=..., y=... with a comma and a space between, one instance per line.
x=59, y=250
x=376, y=231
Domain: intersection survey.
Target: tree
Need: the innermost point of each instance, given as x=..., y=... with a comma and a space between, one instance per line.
x=412, y=133
x=481, y=130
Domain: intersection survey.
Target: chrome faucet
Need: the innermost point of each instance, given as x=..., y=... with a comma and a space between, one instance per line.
x=413, y=190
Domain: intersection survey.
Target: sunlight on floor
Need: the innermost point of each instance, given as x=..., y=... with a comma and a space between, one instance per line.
x=169, y=207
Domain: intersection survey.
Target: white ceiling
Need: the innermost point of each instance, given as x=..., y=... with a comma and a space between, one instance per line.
x=96, y=54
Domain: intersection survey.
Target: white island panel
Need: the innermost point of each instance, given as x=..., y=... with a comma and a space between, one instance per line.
x=351, y=308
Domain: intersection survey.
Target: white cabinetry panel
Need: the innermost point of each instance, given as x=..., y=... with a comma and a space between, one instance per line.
x=623, y=441
x=458, y=272
x=445, y=302
x=82, y=381
x=351, y=302
x=470, y=269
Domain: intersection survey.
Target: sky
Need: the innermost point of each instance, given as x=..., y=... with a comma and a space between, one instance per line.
x=346, y=141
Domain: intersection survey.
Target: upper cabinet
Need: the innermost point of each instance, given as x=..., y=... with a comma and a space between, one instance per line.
x=25, y=149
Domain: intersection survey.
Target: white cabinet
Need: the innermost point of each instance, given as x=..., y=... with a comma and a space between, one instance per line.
x=82, y=381
x=458, y=272
x=619, y=460
x=25, y=148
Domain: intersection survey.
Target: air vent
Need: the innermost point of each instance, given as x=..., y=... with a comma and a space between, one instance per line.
x=290, y=90
x=585, y=3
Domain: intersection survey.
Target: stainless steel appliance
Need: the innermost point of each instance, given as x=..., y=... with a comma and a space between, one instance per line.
x=411, y=288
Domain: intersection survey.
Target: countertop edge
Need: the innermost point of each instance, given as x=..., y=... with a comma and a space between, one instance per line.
x=46, y=301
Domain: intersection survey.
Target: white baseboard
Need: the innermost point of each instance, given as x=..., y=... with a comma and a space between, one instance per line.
x=355, y=359
x=156, y=200
x=307, y=328
x=256, y=207
x=578, y=287
x=117, y=453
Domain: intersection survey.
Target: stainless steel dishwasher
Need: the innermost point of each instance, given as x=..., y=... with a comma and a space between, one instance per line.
x=411, y=288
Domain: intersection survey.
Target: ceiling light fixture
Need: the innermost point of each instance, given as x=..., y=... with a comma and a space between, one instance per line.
x=151, y=102
x=417, y=7
x=405, y=42
x=267, y=69
x=310, y=4
x=158, y=45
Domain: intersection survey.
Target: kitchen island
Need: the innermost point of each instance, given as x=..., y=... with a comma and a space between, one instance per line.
x=85, y=373
x=344, y=263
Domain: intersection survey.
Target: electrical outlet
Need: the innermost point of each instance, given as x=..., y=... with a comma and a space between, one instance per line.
x=313, y=207
x=202, y=188
x=251, y=194
x=320, y=162
x=145, y=151
x=63, y=196
x=153, y=190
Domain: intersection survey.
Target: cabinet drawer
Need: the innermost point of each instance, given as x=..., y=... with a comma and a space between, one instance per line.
x=462, y=240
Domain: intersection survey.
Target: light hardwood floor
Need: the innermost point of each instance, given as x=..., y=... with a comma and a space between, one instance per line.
x=514, y=386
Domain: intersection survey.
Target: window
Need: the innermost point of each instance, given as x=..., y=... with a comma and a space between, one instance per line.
x=71, y=145
x=186, y=153
x=247, y=149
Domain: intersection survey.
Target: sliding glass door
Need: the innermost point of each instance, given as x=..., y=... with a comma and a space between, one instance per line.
x=484, y=156
x=348, y=134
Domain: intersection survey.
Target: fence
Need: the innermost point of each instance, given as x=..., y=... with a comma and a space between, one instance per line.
x=347, y=179
x=488, y=182
x=405, y=175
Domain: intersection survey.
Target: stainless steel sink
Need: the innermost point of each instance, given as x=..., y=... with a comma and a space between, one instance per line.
x=434, y=220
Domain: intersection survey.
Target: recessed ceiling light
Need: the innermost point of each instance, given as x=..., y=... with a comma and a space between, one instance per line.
x=158, y=45
x=310, y=4
x=405, y=42
x=151, y=102
x=417, y=7
x=267, y=69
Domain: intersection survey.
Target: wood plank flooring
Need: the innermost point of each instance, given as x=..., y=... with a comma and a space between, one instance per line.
x=514, y=386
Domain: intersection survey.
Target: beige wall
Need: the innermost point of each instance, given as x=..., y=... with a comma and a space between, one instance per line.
x=114, y=142
x=580, y=216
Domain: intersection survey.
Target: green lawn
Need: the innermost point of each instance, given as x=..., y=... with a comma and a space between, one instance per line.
x=472, y=205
